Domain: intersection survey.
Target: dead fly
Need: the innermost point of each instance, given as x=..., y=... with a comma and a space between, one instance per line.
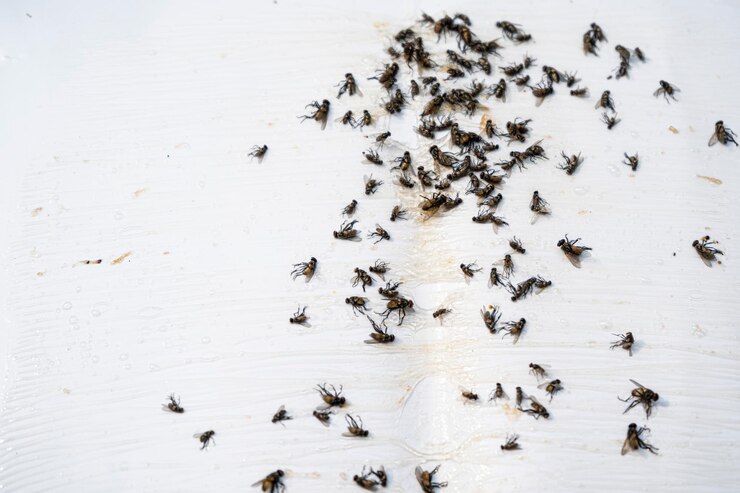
x=443, y=184
x=173, y=405
x=641, y=395
x=610, y=121
x=484, y=65
x=490, y=176
x=379, y=233
x=514, y=329
x=552, y=74
x=347, y=231
x=522, y=289
x=490, y=130
x=398, y=213
x=537, y=370
x=381, y=475
x=589, y=44
x=491, y=201
x=258, y=152
x=320, y=114
x=706, y=250
x=361, y=277
x=306, y=269
x=426, y=19
x=634, y=441
x=667, y=90
x=404, y=162
x=433, y=106
x=365, y=120
x=488, y=216
x=426, y=479
x=441, y=312
x=379, y=268
x=494, y=279
x=498, y=393
x=454, y=73
x=458, y=60
x=571, y=163
x=631, y=161
x=570, y=79
x=331, y=397
x=300, y=317
x=350, y=208
x=404, y=35
x=371, y=185
x=579, y=92
x=605, y=101
x=511, y=443
x=622, y=71
x=522, y=37
x=571, y=250
x=349, y=86
x=358, y=303
x=396, y=103
x=380, y=333
x=469, y=269
x=469, y=395
x=386, y=76
x=517, y=130
x=535, y=151
x=639, y=54
x=397, y=304
x=722, y=134
x=355, y=429
x=538, y=205
x=508, y=265
x=491, y=318
x=521, y=82
x=405, y=181
x=624, y=53
x=536, y=409
x=426, y=177
x=516, y=245
x=364, y=480
x=272, y=483
x=390, y=290
x=541, y=91
x=381, y=138
x=393, y=53
x=541, y=283
x=626, y=341
x=432, y=204
x=513, y=69
x=281, y=415
x=323, y=415
x=499, y=90
x=509, y=29
x=552, y=387
x=597, y=33
x=373, y=157
x=414, y=89
x=205, y=438
x=519, y=398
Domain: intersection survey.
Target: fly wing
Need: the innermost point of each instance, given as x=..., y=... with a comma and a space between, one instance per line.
x=574, y=260
x=713, y=139
x=626, y=445
x=419, y=472
x=637, y=384
x=259, y=483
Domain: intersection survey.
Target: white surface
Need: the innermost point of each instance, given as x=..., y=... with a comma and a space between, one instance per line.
x=165, y=99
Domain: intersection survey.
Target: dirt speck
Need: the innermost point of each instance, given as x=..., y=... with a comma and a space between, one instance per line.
x=380, y=26
x=167, y=252
x=121, y=258
x=343, y=475
x=36, y=211
x=40, y=274
x=138, y=192
x=92, y=262
x=583, y=212
x=710, y=179
x=673, y=129
x=67, y=391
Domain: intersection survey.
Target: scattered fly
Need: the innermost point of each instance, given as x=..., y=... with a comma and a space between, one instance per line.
x=536, y=409
x=641, y=395
x=355, y=428
x=631, y=161
x=634, y=440
x=380, y=333
x=610, y=121
x=350, y=208
x=305, y=269
x=358, y=304
x=537, y=370
x=552, y=387
x=320, y=113
x=323, y=415
x=347, y=231
x=281, y=415
x=516, y=245
x=258, y=152
x=205, y=438
x=491, y=318
x=605, y=101
x=572, y=251
x=498, y=393
x=173, y=405
x=667, y=90
x=272, y=483
x=511, y=443
x=379, y=233
x=349, y=86
x=469, y=269
x=371, y=185
x=722, y=134
x=398, y=213
x=626, y=341
x=706, y=250
x=299, y=317
x=361, y=277
x=426, y=479
x=514, y=329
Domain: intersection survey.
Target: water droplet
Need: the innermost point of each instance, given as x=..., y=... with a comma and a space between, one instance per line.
x=95, y=359
x=150, y=312
x=118, y=215
x=153, y=367
x=123, y=356
x=66, y=305
x=206, y=340
x=95, y=313
x=605, y=325
x=72, y=320
x=614, y=170
x=645, y=280
x=581, y=190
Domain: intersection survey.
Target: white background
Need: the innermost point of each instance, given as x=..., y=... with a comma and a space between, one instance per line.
x=124, y=127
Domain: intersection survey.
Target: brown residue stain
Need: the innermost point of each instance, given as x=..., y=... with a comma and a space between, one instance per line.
x=40, y=274
x=343, y=475
x=314, y=475
x=380, y=26
x=89, y=262
x=139, y=192
x=716, y=181
x=270, y=124
x=166, y=252
x=511, y=411
x=67, y=391
x=182, y=145
x=36, y=211
x=483, y=120
x=673, y=129
x=584, y=211
x=121, y=258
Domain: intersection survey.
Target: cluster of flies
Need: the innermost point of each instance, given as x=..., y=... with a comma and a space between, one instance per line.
x=470, y=162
